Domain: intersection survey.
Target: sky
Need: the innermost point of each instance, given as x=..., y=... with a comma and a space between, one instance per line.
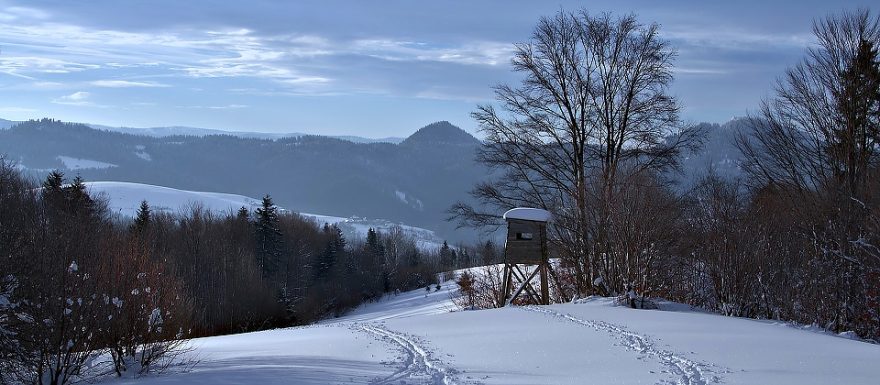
x=367, y=68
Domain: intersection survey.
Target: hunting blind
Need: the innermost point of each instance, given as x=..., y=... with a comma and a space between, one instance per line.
x=525, y=256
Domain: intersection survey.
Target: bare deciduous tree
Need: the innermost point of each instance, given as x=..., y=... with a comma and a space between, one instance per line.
x=592, y=109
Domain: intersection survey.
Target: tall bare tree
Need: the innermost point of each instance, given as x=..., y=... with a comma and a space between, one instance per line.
x=816, y=144
x=592, y=109
x=822, y=127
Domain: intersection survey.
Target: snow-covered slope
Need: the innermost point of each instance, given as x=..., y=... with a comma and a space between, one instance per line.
x=417, y=338
x=125, y=198
x=414, y=338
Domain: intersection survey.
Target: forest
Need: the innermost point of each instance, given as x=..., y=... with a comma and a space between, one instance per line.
x=77, y=280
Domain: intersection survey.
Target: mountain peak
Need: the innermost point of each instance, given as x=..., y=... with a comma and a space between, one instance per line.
x=441, y=132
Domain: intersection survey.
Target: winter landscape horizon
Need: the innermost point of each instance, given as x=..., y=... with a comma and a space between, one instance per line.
x=456, y=192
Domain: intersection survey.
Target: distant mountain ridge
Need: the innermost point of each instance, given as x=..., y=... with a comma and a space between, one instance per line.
x=4, y=124
x=160, y=132
x=196, y=131
x=441, y=132
x=412, y=184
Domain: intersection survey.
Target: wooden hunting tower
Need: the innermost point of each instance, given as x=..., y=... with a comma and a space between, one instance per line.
x=525, y=256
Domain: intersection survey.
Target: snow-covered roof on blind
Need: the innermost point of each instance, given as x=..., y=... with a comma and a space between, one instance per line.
x=528, y=214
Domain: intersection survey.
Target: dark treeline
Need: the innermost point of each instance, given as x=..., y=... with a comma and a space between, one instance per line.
x=75, y=281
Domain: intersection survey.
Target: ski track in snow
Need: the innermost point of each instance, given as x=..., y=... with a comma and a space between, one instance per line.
x=417, y=363
x=689, y=372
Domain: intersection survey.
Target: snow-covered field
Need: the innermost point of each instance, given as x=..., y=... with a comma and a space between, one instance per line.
x=419, y=338
x=72, y=163
x=125, y=198
x=416, y=338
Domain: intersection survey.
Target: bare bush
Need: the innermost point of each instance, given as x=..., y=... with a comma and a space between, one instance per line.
x=479, y=288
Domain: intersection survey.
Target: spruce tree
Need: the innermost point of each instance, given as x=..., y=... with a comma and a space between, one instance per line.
x=77, y=197
x=243, y=214
x=333, y=252
x=71, y=199
x=143, y=218
x=447, y=256
x=374, y=260
x=853, y=141
x=52, y=192
x=488, y=253
x=268, y=237
x=54, y=182
x=375, y=248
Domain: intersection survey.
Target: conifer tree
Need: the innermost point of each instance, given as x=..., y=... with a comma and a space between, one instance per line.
x=143, y=217
x=54, y=182
x=488, y=253
x=70, y=199
x=268, y=237
x=333, y=252
x=243, y=214
x=853, y=141
x=447, y=256
x=374, y=263
x=52, y=193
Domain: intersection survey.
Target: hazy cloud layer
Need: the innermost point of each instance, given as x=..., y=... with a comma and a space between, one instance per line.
x=366, y=68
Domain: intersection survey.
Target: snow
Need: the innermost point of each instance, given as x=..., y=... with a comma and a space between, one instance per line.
x=400, y=195
x=312, y=355
x=528, y=214
x=409, y=200
x=416, y=338
x=358, y=226
x=72, y=163
x=155, y=321
x=144, y=155
x=125, y=199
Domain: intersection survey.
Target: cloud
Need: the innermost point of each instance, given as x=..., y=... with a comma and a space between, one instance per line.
x=478, y=53
x=447, y=93
x=76, y=96
x=699, y=71
x=306, y=80
x=47, y=85
x=79, y=98
x=298, y=63
x=15, y=110
x=734, y=39
x=10, y=14
x=22, y=66
x=224, y=107
x=126, y=84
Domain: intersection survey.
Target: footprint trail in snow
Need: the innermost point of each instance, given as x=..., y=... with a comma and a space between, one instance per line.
x=419, y=366
x=689, y=372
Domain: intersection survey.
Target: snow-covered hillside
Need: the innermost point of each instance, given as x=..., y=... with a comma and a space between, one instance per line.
x=125, y=198
x=415, y=338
